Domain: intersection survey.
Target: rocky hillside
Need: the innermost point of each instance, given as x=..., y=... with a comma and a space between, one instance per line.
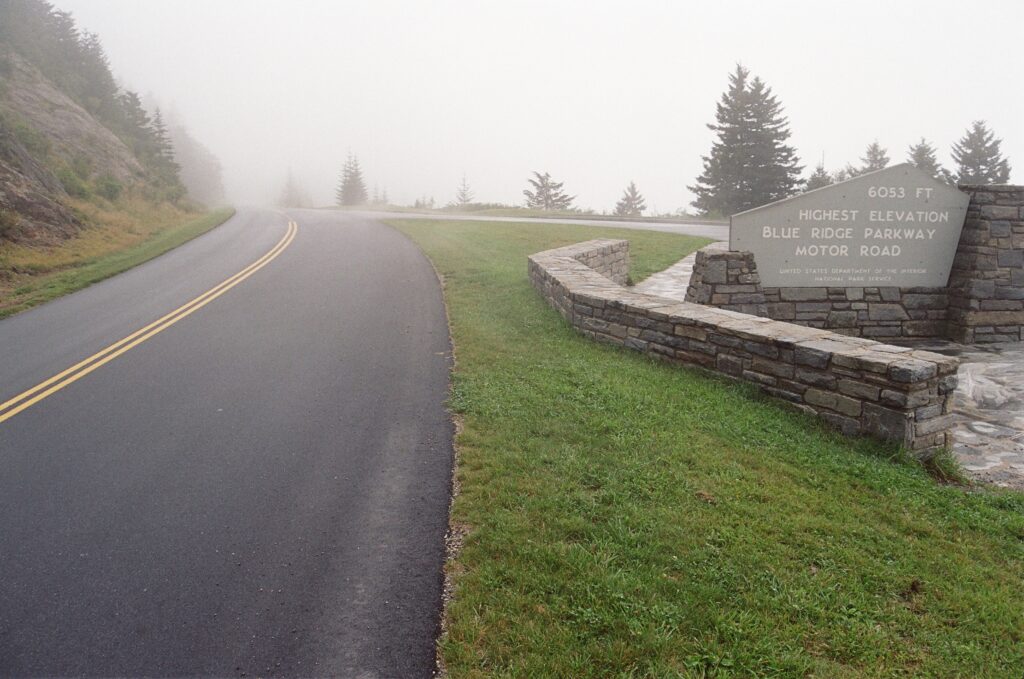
x=51, y=149
x=72, y=141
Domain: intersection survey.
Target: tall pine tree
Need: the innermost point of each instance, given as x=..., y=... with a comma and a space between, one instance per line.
x=922, y=156
x=352, y=187
x=632, y=204
x=463, y=195
x=161, y=159
x=547, y=194
x=819, y=178
x=978, y=158
x=875, y=158
x=750, y=163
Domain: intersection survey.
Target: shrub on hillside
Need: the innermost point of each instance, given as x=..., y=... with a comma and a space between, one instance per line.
x=72, y=183
x=8, y=222
x=108, y=187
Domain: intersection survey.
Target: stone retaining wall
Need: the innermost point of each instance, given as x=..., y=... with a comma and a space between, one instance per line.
x=984, y=301
x=858, y=385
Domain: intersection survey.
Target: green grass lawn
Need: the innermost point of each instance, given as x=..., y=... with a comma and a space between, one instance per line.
x=26, y=291
x=630, y=518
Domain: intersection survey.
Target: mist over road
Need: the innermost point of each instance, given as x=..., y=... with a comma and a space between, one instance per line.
x=717, y=231
x=259, y=488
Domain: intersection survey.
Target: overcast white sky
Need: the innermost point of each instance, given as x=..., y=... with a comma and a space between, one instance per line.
x=596, y=92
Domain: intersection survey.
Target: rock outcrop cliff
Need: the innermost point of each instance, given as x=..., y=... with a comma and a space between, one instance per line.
x=50, y=148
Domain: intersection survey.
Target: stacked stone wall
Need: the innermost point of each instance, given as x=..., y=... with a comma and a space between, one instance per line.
x=858, y=385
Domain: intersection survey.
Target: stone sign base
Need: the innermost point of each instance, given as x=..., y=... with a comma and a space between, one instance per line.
x=983, y=303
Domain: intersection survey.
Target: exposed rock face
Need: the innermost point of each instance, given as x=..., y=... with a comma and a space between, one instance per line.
x=66, y=135
x=30, y=197
x=74, y=134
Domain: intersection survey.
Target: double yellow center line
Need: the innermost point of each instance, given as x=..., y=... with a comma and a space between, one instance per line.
x=27, y=399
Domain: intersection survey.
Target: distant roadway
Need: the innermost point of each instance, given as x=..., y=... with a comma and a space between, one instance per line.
x=233, y=460
x=718, y=232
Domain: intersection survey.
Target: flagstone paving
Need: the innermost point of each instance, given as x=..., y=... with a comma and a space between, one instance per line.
x=673, y=281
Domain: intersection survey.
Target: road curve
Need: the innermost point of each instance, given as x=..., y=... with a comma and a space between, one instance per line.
x=260, y=489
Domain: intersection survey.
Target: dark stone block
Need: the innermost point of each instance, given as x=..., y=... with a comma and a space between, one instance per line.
x=887, y=312
x=783, y=311
x=730, y=365
x=1011, y=258
x=911, y=371
x=841, y=319
x=811, y=357
x=776, y=368
x=724, y=340
x=714, y=272
x=847, y=425
x=891, y=425
x=758, y=378
x=1002, y=304
x=634, y=343
x=803, y=294
x=1009, y=292
x=924, y=328
x=1000, y=229
x=816, y=379
x=921, y=301
x=766, y=350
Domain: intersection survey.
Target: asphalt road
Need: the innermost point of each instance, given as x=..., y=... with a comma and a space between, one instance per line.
x=259, y=489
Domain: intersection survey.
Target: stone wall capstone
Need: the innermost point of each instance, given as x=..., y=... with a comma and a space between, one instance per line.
x=857, y=385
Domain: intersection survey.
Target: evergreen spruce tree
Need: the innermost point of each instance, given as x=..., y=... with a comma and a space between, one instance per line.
x=819, y=178
x=351, y=187
x=922, y=156
x=844, y=173
x=163, y=151
x=978, y=158
x=547, y=194
x=875, y=158
x=161, y=159
x=463, y=195
x=750, y=164
x=631, y=204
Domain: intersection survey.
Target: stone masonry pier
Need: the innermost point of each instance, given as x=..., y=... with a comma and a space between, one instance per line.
x=856, y=384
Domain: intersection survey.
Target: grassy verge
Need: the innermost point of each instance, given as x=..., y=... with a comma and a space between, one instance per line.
x=629, y=518
x=120, y=239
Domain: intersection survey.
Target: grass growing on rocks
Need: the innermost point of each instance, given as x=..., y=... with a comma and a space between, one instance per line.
x=116, y=241
x=630, y=518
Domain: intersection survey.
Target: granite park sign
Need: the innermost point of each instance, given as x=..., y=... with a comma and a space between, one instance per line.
x=897, y=227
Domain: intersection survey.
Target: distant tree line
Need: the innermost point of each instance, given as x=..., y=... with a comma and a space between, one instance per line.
x=978, y=158
x=750, y=163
